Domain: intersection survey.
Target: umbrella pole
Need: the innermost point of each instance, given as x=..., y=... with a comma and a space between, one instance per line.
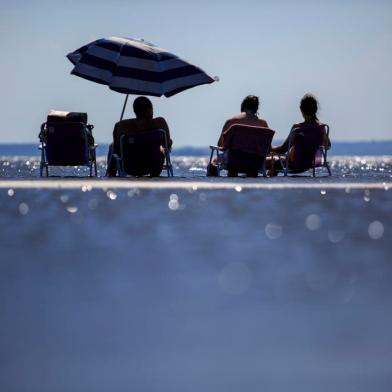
x=125, y=104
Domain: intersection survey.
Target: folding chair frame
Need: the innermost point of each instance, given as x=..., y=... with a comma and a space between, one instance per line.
x=221, y=164
x=284, y=161
x=90, y=151
x=167, y=165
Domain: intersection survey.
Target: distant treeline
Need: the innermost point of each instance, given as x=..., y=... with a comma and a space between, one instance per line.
x=338, y=148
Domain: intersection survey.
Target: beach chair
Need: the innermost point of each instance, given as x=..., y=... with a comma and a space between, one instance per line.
x=245, y=149
x=66, y=140
x=312, y=145
x=144, y=153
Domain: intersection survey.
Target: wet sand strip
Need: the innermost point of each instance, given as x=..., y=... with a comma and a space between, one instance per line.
x=162, y=184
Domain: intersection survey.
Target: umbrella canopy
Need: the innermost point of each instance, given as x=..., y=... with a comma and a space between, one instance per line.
x=133, y=66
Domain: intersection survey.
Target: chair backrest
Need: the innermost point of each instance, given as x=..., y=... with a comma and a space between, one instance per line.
x=141, y=152
x=307, y=141
x=249, y=139
x=66, y=143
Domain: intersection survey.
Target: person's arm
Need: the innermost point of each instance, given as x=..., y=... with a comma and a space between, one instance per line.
x=283, y=148
x=163, y=125
x=116, y=138
x=224, y=129
x=326, y=140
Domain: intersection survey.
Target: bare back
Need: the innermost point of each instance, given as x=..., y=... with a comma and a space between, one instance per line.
x=242, y=119
x=136, y=125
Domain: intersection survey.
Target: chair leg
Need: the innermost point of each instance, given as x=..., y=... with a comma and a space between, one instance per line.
x=314, y=171
x=328, y=168
x=95, y=168
x=211, y=156
x=286, y=166
x=120, y=170
x=263, y=169
x=169, y=167
x=109, y=161
x=220, y=163
x=42, y=163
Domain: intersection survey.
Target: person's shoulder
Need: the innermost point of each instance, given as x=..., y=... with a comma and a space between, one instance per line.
x=126, y=122
x=237, y=117
x=298, y=125
x=307, y=125
x=262, y=123
x=160, y=121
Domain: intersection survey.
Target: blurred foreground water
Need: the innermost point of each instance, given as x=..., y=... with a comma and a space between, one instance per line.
x=225, y=290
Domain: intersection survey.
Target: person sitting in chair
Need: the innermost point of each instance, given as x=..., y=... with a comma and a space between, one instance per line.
x=248, y=117
x=143, y=122
x=301, y=155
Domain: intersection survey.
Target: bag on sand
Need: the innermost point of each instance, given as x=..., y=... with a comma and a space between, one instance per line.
x=212, y=170
x=61, y=116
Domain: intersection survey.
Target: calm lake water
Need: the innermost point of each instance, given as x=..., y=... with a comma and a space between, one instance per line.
x=190, y=290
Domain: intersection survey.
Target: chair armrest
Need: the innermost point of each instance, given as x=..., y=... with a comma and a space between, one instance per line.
x=93, y=147
x=216, y=148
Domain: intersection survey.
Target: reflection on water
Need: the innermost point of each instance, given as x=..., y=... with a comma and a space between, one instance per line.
x=173, y=290
x=345, y=168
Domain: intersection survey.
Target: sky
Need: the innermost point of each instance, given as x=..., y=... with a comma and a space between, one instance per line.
x=341, y=51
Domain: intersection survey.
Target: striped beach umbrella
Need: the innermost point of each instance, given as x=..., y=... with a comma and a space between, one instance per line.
x=133, y=66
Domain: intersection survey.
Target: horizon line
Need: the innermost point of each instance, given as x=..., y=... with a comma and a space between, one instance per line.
x=207, y=145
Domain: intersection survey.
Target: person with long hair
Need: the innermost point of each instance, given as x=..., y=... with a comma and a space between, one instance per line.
x=300, y=155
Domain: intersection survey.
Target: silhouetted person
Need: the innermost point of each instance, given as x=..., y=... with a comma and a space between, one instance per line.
x=143, y=122
x=248, y=116
x=301, y=154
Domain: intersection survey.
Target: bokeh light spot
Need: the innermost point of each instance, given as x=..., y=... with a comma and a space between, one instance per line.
x=313, y=222
x=273, y=231
x=376, y=230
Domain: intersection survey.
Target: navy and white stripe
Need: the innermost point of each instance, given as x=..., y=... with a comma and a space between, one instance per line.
x=135, y=67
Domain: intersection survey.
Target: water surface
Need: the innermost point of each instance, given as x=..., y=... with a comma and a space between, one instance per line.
x=189, y=290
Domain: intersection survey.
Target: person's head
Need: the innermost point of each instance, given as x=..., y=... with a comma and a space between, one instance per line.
x=142, y=107
x=309, y=107
x=250, y=104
